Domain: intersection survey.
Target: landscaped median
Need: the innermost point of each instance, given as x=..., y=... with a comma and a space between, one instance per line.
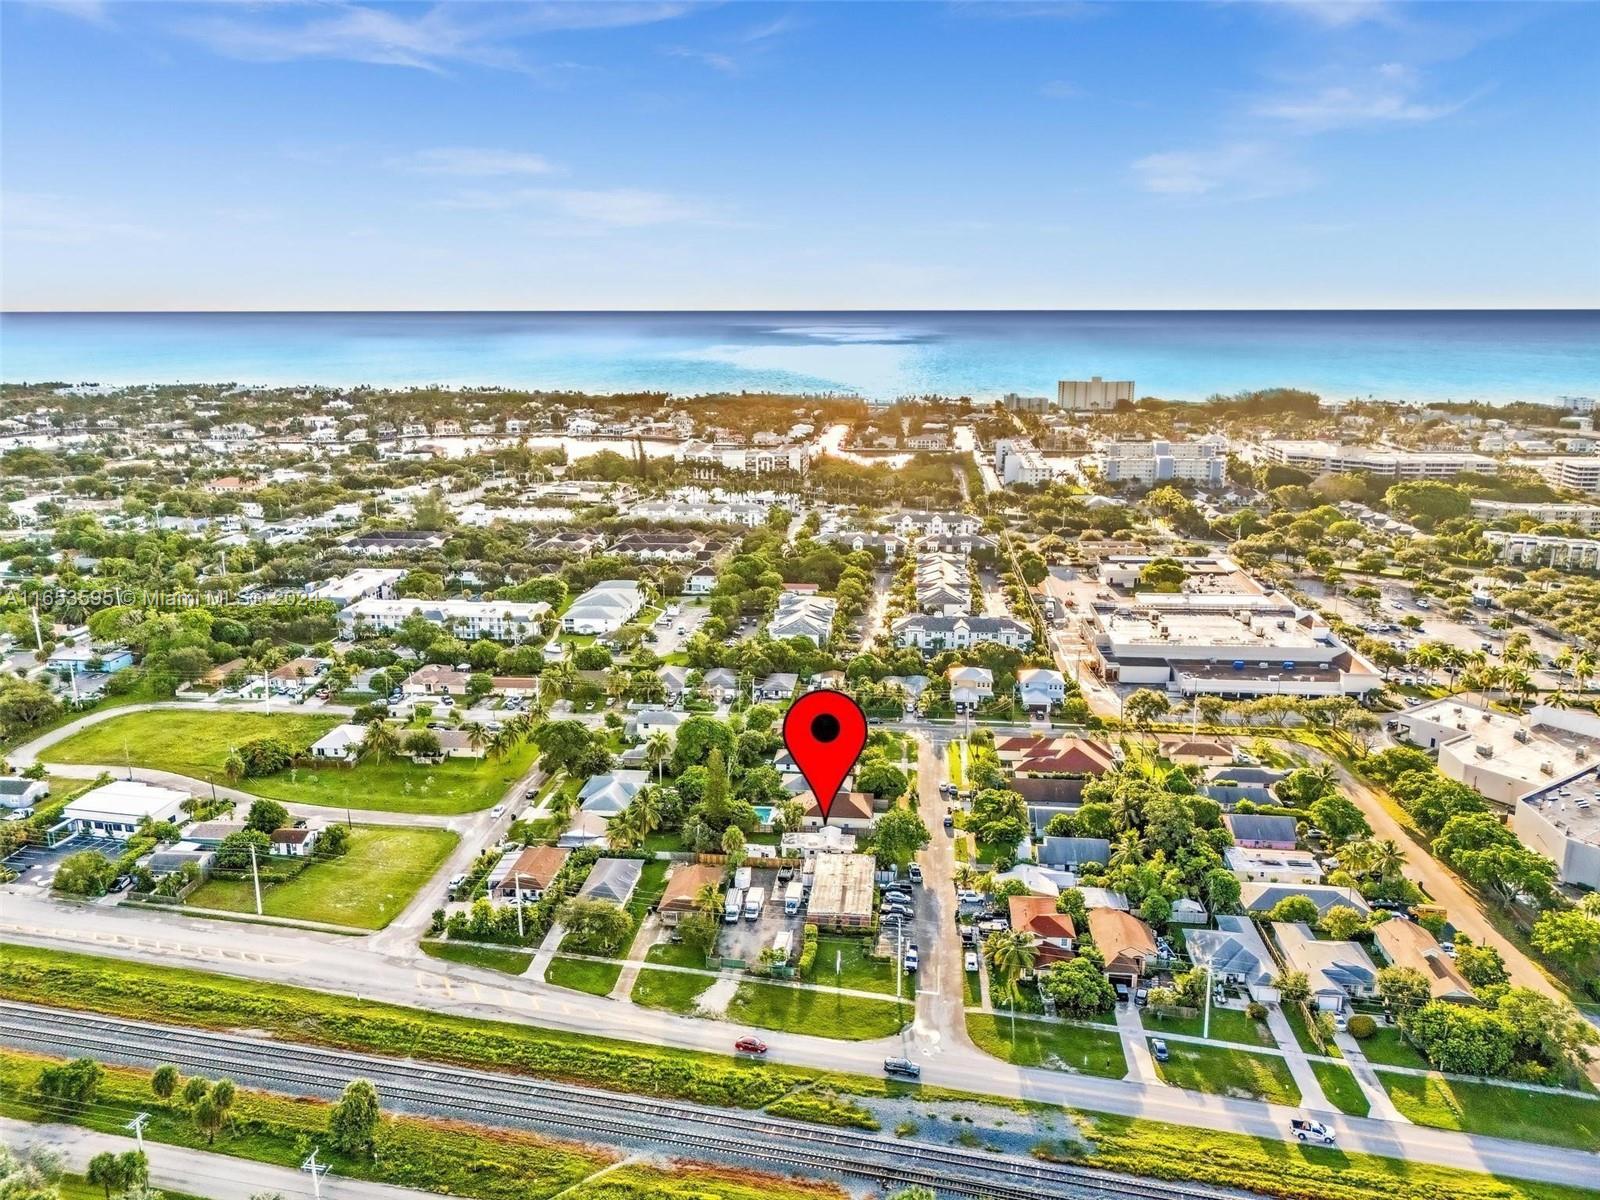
x=196, y=743
x=186, y=997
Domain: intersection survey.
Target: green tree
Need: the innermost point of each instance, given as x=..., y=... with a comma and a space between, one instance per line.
x=1301, y=909
x=1339, y=818
x=898, y=837
x=1403, y=989
x=1011, y=954
x=195, y=1089
x=1293, y=987
x=353, y=1123
x=106, y=1169
x=164, y=1082
x=1341, y=922
x=71, y=1086
x=1480, y=965
x=699, y=931
x=1078, y=988
x=1570, y=936
x=86, y=873
x=209, y=1117
x=599, y=926
x=266, y=816
x=1144, y=706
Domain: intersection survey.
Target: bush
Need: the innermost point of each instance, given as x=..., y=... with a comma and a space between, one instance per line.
x=808, y=952
x=1362, y=1027
x=1256, y=1011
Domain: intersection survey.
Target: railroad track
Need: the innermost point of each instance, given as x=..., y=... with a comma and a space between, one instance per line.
x=584, y=1114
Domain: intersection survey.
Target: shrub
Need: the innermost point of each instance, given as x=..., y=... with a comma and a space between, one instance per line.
x=1362, y=1027
x=808, y=952
x=1256, y=1011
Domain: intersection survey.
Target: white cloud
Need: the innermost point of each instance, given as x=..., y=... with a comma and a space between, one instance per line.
x=1236, y=170
x=612, y=208
x=1060, y=89
x=725, y=63
x=1383, y=95
x=1338, y=14
x=96, y=12
x=428, y=38
x=471, y=161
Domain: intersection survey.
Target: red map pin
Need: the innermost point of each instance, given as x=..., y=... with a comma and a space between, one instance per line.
x=825, y=731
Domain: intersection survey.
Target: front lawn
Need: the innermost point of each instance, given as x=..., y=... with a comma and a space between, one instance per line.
x=1227, y=1025
x=675, y=954
x=596, y=978
x=197, y=744
x=856, y=968
x=1054, y=1044
x=823, y=1014
x=1499, y=1111
x=1297, y=1022
x=1389, y=1047
x=1339, y=1086
x=675, y=991
x=366, y=887
x=1203, y=1068
x=508, y=962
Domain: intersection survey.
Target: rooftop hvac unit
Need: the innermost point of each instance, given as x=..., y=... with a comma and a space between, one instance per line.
x=1547, y=767
x=1521, y=735
x=1484, y=751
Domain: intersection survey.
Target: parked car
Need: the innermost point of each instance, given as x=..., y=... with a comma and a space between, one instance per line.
x=1312, y=1131
x=911, y=959
x=902, y=1066
x=1158, y=1050
x=970, y=962
x=968, y=896
x=915, y=873
x=949, y=822
x=455, y=883
x=1449, y=948
x=750, y=1045
x=1141, y=997
x=1341, y=1023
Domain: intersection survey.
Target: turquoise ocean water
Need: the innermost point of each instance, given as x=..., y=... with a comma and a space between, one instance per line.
x=1493, y=356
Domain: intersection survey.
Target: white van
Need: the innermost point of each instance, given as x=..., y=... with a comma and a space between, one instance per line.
x=732, y=907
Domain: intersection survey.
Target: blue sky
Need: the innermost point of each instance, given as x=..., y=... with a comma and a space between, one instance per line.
x=641, y=154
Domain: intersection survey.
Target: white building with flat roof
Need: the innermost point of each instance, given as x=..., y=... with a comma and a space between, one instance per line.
x=1563, y=824
x=1545, y=550
x=1584, y=516
x=1203, y=461
x=1019, y=462
x=1093, y=394
x=362, y=584
x=1579, y=474
x=604, y=608
x=502, y=620
x=1506, y=757
x=115, y=809
x=1317, y=457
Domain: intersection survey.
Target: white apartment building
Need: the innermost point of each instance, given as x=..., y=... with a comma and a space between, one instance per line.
x=502, y=620
x=1203, y=461
x=942, y=585
x=362, y=584
x=1584, y=516
x=1578, y=474
x=1093, y=394
x=604, y=608
x=752, y=460
x=1316, y=457
x=1224, y=645
x=933, y=634
x=805, y=615
x=1578, y=404
x=1545, y=550
x=1017, y=461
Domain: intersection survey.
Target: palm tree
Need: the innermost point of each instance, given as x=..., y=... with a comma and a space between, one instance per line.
x=1519, y=684
x=1429, y=656
x=1583, y=667
x=380, y=741
x=708, y=900
x=1388, y=857
x=646, y=810
x=623, y=832
x=657, y=750
x=1127, y=852
x=477, y=735
x=501, y=744
x=1558, y=699
x=1011, y=953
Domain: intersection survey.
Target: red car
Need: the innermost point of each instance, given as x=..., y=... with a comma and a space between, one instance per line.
x=750, y=1045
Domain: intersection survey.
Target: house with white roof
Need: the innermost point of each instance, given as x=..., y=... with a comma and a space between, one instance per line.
x=604, y=608
x=115, y=809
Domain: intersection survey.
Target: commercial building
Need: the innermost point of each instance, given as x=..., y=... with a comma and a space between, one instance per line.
x=1317, y=458
x=1577, y=474
x=1093, y=394
x=1203, y=461
x=1584, y=516
x=750, y=460
x=502, y=620
x=1545, y=550
x=842, y=891
x=1563, y=823
x=604, y=608
x=115, y=809
x=1504, y=756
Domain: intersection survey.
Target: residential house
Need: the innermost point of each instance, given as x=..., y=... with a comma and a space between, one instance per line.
x=19, y=793
x=457, y=743
x=295, y=841
x=607, y=795
x=720, y=684
x=775, y=687
x=1230, y=783
x=1040, y=689
x=81, y=657
x=851, y=811
x=970, y=687
x=342, y=743
x=935, y=634
x=1408, y=944
x=662, y=545
x=1339, y=972
x=514, y=687
x=612, y=879
x=700, y=583
x=436, y=679
x=532, y=870
x=1272, y=866
x=1125, y=941
x=586, y=829
x=502, y=620
x=1053, y=932
x=684, y=884
x=651, y=721
x=1264, y=897
x=1234, y=954
x=803, y=616
x=1257, y=832
x=1070, y=853
x=675, y=680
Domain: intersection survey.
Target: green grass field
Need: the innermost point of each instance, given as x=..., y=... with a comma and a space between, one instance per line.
x=596, y=978
x=507, y=962
x=1388, y=1047
x=1053, y=1044
x=1202, y=1068
x=674, y=991
x=675, y=954
x=365, y=888
x=856, y=969
x=1341, y=1088
x=197, y=743
x=822, y=1014
x=1227, y=1025
x=1297, y=1022
x=1501, y=1111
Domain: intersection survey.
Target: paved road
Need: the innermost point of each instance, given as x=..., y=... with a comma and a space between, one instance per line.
x=215, y=1176
x=940, y=1027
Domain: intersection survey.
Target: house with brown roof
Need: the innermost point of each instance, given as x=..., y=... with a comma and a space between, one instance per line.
x=521, y=686
x=532, y=871
x=851, y=812
x=683, y=885
x=436, y=679
x=296, y=842
x=1034, y=754
x=1408, y=944
x=1053, y=931
x=1126, y=942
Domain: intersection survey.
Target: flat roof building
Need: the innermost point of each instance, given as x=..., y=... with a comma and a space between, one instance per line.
x=1504, y=756
x=1317, y=457
x=1093, y=394
x=115, y=809
x=842, y=891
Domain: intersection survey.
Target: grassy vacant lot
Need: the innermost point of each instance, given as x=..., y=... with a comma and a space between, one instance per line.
x=675, y=954
x=1501, y=1111
x=822, y=1014
x=1229, y=1072
x=596, y=978
x=1162, y=1151
x=675, y=991
x=366, y=887
x=1388, y=1047
x=509, y=962
x=1227, y=1025
x=857, y=970
x=1341, y=1088
x=197, y=743
x=1053, y=1044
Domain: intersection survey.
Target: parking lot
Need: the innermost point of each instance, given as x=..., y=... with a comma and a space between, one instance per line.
x=746, y=940
x=36, y=866
x=665, y=637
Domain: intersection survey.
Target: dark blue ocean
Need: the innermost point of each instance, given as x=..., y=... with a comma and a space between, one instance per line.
x=1493, y=356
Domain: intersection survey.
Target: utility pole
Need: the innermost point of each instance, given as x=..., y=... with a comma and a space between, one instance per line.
x=1205, y=1028
x=137, y=1125
x=255, y=875
x=520, y=934
x=318, y=1170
